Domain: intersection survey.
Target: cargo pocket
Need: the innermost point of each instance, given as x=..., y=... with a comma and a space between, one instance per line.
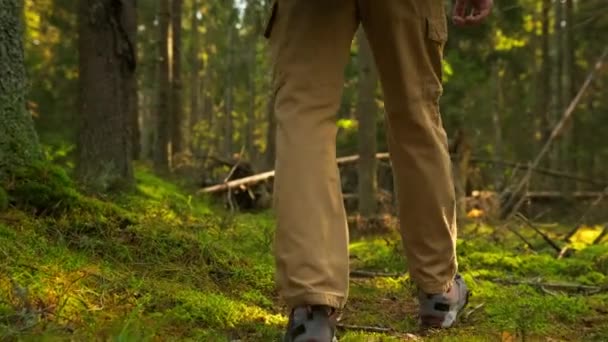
x=437, y=36
x=271, y=19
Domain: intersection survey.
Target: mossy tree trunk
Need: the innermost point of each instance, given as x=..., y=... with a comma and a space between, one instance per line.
x=106, y=68
x=18, y=140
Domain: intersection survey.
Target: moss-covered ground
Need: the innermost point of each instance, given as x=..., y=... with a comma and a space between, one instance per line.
x=156, y=264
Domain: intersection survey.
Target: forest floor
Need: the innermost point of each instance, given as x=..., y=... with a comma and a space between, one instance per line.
x=159, y=265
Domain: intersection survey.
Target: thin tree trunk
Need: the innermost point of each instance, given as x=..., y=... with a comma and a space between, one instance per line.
x=559, y=88
x=131, y=98
x=545, y=78
x=18, y=140
x=271, y=146
x=106, y=66
x=228, y=105
x=249, y=127
x=195, y=65
x=496, y=120
x=161, y=151
x=177, y=111
x=366, y=115
x=570, y=91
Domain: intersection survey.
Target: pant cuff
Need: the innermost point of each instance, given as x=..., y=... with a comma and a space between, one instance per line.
x=315, y=298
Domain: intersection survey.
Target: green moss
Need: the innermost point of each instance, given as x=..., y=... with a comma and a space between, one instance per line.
x=158, y=264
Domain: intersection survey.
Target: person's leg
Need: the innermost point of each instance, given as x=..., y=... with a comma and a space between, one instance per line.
x=310, y=43
x=407, y=38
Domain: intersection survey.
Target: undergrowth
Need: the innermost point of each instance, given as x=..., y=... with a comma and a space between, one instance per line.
x=159, y=264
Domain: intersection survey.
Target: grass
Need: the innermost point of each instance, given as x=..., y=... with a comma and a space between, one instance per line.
x=158, y=264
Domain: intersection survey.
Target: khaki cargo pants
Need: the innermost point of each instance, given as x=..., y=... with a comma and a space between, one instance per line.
x=310, y=43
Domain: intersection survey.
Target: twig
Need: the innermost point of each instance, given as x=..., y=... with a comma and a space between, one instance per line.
x=545, y=171
x=557, y=130
x=364, y=328
x=601, y=236
x=470, y=312
x=584, y=216
x=521, y=237
x=539, y=232
x=564, y=286
x=372, y=274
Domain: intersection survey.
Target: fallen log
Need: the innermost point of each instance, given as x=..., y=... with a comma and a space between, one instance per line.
x=342, y=161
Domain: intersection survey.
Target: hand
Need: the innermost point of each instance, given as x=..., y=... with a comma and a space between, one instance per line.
x=480, y=9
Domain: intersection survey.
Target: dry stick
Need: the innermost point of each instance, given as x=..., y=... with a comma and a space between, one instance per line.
x=545, y=171
x=232, y=171
x=584, y=216
x=601, y=236
x=539, y=232
x=556, y=131
x=372, y=274
x=364, y=328
x=564, y=286
x=521, y=237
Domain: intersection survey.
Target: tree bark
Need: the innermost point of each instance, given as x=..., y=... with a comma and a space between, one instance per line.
x=131, y=100
x=250, y=125
x=545, y=78
x=366, y=115
x=228, y=123
x=18, y=139
x=559, y=83
x=195, y=65
x=271, y=132
x=177, y=111
x=161, y=151
x=106, y=67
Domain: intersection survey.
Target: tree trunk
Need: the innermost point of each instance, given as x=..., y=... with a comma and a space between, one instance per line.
x=250, y=126
x=545, y=78
x=161, y=151
x=366, y=115
x=496, y=120
x=18, y=140
x=570, y=87
x=106, y=69
x=271, y=146
x=130, y=23
x=195, y=65
x=177, y=111
x=559, y=84
x=228, y=124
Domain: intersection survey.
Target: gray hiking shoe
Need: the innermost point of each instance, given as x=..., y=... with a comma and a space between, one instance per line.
x=311, y=324
x=441, y=310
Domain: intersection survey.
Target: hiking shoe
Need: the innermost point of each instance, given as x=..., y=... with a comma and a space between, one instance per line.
x=311, y=324
x=441, y=310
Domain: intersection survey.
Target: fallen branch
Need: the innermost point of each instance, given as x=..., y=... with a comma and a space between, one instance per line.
x=601, y=236
x=558, y=286
x=544, y=171
x=557, y=130
x=365, y=328
x=521, y=237
x=373, y=274
x=540, y=232
x=587, y=212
